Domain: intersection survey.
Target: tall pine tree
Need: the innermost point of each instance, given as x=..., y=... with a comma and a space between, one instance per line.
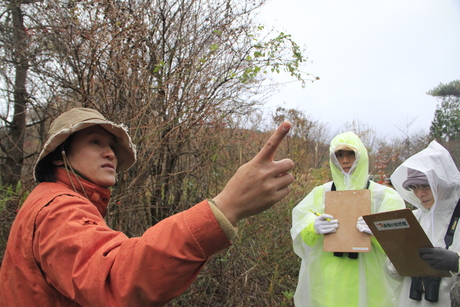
x=445, y=126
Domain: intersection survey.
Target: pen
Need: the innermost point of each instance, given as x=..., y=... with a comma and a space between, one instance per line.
x=317, y=214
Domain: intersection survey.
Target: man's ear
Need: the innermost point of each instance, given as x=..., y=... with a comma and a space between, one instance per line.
x=58, y=162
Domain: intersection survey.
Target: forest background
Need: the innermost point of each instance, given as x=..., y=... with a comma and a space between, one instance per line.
x=188, y=78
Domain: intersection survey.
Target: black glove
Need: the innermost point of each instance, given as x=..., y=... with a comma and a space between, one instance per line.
x=440, y=258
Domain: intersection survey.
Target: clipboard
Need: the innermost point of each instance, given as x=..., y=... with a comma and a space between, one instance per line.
x=347, y=206
x=400, y=235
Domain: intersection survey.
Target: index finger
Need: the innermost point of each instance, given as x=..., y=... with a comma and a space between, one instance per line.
x=268, y=151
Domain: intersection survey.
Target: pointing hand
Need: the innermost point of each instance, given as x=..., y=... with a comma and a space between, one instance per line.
x=258, y=184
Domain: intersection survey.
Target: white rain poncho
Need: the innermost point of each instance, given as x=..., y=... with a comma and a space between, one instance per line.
x=326, y=280
x=444, y=179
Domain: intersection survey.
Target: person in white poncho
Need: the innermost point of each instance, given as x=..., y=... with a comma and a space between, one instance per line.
x=326, y=278
x=430, y=181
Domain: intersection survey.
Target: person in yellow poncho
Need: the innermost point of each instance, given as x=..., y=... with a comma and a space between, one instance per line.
x=331, y=279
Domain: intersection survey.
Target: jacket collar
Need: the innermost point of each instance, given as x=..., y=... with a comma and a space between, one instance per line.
x=98, y=195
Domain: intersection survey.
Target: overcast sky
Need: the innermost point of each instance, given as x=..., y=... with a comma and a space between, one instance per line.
x=376, y=59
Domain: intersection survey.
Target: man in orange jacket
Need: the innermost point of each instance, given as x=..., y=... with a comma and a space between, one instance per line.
x=61, y=252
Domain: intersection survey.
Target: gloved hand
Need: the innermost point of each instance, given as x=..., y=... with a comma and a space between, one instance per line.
x=362, y=226
x=440, y=258
x=391, y=270
x=325, y=224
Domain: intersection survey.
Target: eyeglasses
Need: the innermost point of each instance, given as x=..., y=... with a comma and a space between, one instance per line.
x=418, y=187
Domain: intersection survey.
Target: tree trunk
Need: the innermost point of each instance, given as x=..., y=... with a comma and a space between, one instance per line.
x=11, y=174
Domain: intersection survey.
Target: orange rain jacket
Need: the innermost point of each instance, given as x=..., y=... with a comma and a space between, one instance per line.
x=61, y=252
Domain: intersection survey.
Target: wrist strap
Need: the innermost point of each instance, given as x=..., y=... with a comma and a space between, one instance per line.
x=449, y=237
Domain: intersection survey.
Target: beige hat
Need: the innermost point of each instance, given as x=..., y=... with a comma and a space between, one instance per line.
x=344, y=147
x=80, y=118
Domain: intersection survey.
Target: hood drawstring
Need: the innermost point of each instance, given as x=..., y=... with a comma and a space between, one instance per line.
x=67, y=166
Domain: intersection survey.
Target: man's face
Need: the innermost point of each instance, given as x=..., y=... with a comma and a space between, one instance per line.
x=92, y=155
x=346, y=159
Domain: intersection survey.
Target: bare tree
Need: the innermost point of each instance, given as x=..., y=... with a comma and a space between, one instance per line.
x=15, y=62
x=171, y=71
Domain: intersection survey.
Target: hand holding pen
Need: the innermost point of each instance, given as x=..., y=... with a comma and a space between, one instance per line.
x=325, y=223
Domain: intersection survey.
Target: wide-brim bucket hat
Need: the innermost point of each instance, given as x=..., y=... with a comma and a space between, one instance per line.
x=80, y=118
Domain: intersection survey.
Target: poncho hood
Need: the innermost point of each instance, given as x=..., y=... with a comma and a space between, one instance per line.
x=358, y=175
x=442, y=174
x=444, y=179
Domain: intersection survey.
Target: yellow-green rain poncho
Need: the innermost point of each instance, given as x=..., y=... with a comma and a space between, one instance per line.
x=326, y=280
